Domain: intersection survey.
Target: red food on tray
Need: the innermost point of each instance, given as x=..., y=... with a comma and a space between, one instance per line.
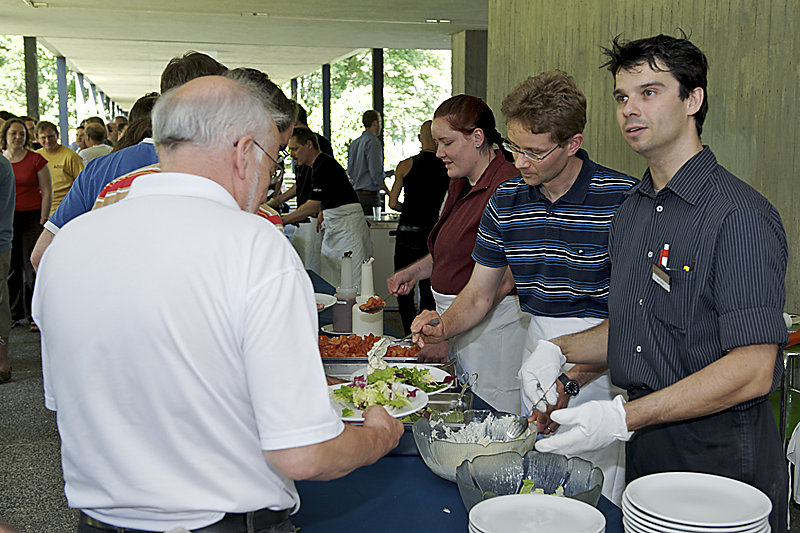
x=358, y=346
x=374, y=302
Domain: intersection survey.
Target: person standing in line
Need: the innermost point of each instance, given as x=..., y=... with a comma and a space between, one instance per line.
x=696, y=300
x=205, y=421
x=7, y=199
x=94, y=140
x=103, y=170
x=31, y=207
x=65, y=164
x=424, y=181
x=365, y=162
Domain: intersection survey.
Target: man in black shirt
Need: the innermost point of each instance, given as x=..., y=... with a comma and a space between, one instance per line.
x=424, y=179
x=333, y=200
x=696, y=298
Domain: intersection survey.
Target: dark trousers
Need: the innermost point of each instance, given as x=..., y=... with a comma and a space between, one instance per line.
x=409, y=247
x=743, y=445
x=368, y=200
x=21, y=276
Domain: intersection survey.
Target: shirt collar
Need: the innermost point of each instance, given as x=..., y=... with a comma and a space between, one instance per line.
x=577, y=193
x=179, y=184
x=688, y=183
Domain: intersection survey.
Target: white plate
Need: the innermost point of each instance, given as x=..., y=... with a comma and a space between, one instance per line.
x=644, y=524
x=328, y=328
x=695, y=499
x=417, y=402
x=437, y=373
x=325, y=300
x=538, y=513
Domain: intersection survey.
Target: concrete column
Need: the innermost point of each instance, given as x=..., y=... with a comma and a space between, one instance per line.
x=63, y=111
x=80, y=96
x=31, y=77
x=469, y=59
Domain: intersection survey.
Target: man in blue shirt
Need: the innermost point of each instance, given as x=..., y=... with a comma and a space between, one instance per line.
x=696, y=299
x=365, y=162
x=103, y=170
x=550, y=226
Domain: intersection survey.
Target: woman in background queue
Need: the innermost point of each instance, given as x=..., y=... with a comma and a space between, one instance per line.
x=31, y=208
x=464, y=130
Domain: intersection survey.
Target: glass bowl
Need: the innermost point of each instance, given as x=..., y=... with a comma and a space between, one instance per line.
x=501, y=474
x=443, y=456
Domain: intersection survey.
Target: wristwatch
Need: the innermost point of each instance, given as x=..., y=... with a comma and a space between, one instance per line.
x=571, y=386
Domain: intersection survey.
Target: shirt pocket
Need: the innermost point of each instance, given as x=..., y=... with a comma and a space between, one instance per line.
x=673, y=307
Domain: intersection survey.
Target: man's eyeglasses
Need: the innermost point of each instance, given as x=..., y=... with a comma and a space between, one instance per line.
x=277, y=162
x=533, y=156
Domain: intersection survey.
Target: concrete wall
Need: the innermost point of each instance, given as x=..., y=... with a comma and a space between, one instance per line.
x=468, y=71
x=754, y=59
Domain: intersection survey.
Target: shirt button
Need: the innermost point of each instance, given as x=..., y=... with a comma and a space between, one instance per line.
x=660, y=208
x=649, y=254
x=641, y=301
x=638, y=349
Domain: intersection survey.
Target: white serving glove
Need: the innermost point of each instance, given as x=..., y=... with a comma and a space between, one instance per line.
x=588, y=427
x=538, y=374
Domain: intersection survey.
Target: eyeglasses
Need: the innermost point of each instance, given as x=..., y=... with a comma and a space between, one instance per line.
x=278, y=163
x=516, y=150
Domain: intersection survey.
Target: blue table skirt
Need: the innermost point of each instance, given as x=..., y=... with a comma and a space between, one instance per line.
x=398, y=493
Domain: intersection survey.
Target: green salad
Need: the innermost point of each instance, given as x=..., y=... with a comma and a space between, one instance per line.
x=418, y=377
x=362, y=394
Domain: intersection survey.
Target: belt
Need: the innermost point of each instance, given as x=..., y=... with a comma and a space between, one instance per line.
x=366, y=192
x=230, y=523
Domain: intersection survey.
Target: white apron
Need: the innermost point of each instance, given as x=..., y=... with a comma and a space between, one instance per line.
x=610, y=460
x=493, y=349
x=344, y=230
x=307, y=241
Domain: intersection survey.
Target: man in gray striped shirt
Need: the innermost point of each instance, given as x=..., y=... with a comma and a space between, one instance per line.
x=695, y=304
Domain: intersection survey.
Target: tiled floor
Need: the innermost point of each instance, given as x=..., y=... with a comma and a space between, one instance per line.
x=31, y=487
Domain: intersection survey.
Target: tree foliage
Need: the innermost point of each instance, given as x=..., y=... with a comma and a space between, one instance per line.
x=415, y=83
x=12, y=81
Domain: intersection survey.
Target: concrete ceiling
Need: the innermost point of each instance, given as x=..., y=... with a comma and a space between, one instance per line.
x=122, y=46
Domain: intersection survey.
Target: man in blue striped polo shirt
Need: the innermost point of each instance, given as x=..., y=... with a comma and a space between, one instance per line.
x=696, y=299
x=550, y=226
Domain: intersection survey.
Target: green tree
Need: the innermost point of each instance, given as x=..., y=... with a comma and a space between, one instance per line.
x=12, y=81
x=415, y=83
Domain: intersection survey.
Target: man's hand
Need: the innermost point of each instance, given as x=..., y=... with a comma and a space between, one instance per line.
x=434, y=353
x=401, y=283
x=423, y=332
x=386, y=428
x=538, y=375
x=588, y=427
x=544, y=422
x=320, y=220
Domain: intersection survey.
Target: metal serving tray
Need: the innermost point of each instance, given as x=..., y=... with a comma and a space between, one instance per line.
x=344, y=367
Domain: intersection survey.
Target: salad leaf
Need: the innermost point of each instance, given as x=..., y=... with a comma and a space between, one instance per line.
x=527, y=486
x=347, y=412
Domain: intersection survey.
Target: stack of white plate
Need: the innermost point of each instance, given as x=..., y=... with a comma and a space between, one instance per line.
x=689, y=502
x=541, y=513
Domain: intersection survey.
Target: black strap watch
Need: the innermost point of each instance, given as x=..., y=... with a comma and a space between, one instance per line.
x=571, y=386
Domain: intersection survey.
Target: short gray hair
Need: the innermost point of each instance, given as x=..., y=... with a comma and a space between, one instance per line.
x=213, y=118
x=282, y=109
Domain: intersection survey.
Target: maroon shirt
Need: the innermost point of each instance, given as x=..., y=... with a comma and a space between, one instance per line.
x=453, y=237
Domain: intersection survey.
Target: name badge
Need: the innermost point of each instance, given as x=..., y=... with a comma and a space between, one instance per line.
x=661, y=277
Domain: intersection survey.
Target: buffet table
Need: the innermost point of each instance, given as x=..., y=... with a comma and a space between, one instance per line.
x=398, y=493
